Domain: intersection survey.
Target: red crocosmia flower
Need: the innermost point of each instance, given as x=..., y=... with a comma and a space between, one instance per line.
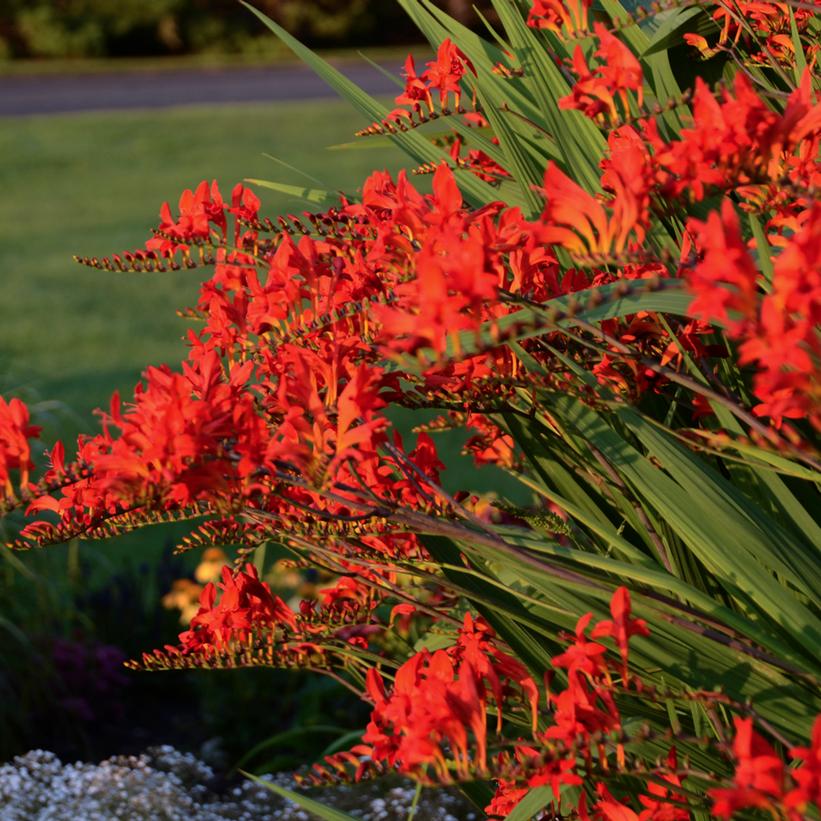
x=444, y=74
x=533, y=770
x=555, y=15
x=455, y=278
x=15, y=451
x=657, y=803
x=622, y=626
x=58, y=461
x=435, y=716
x=197, y=211
x=170, y=441
x=478, y=162
x=167, y=449
x=572, y=218
x=595, y=91
x=737, y=138
x=508, y=794
x=589, y=94
x=777, y=331
x=758, y=782
x=609, y=808
x=245, y=206
x=581, y=710
x=576, y=221
x=785, y=342
x=347, y=594
x=401, y=612
x=766, y=30
x=724, y=280
x=627, y=175
x=620, y=70
x=416, y=89
x=359, y=399
x=244, y=203
x=658, y=808
x=489, y=445
x=582, y=656
x=476, y=646
x=807, y=775
x=246, y=605
x=447, y=199
x=407, y=726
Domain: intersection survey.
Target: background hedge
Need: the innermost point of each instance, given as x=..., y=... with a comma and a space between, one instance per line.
x=105, y=28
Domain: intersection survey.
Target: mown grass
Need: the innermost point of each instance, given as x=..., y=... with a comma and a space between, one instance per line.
x=92, y=184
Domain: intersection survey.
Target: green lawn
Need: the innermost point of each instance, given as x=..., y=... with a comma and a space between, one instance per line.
x=92, y=184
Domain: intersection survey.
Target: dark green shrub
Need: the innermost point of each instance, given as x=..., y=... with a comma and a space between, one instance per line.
x=99, y=28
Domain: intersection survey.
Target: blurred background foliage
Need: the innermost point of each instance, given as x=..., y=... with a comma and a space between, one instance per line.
x=134, y=28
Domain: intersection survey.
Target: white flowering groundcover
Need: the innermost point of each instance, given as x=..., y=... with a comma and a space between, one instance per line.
x=164, y=784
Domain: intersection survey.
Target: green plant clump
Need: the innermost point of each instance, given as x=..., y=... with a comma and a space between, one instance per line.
x=612, y=294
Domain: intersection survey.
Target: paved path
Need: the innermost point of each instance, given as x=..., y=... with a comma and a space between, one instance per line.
x=52, y=94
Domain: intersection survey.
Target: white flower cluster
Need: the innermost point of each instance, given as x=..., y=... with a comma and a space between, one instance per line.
x=167, y=785
x=163, y=784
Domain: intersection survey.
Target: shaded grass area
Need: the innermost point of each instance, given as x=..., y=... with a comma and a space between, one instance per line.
x=92, y=184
